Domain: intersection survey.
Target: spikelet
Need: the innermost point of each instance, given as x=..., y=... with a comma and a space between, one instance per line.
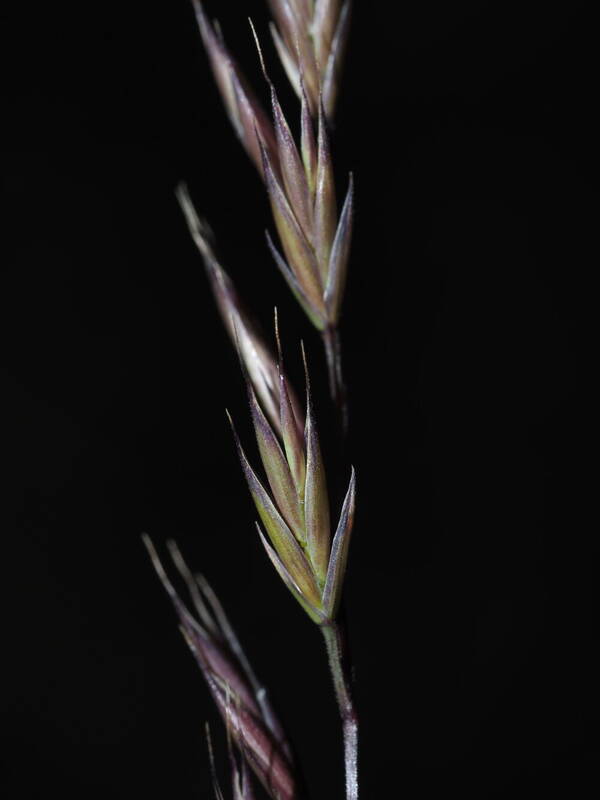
x=245, y=112
x=310, y=37
x=294, y=509
x=243, y=704
x=259, y=361
x=315, y=239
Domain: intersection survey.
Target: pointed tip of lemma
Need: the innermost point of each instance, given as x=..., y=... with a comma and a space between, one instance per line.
x=352, y=481
x=182, y=190
x=303, y=351
x=150, y=548
x=260, y=52
x=148, y=543
x=236, y=438
x=158, y=567
x=200, y=16
x=278, y=340
x=305, y=363
x=173, y=549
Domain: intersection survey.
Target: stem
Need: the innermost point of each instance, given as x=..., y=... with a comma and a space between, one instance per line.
x=337, y=387
x=334, y=644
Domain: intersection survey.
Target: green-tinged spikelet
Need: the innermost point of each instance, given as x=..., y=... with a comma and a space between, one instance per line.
x=294, y=509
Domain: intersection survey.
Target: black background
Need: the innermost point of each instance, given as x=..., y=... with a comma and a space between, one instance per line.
x=471, y=131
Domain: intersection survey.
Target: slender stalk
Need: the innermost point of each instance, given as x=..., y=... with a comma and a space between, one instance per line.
x=334, y=644
x=337, y=387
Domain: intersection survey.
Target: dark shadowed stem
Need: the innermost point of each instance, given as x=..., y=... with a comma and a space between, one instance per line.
x=341, y=684
x=337, y=387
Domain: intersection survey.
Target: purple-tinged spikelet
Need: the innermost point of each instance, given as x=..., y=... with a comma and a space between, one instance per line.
x=258, y=359
x=242, y=702
x=244, y=110
x=310, y=38
x=314, y=238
